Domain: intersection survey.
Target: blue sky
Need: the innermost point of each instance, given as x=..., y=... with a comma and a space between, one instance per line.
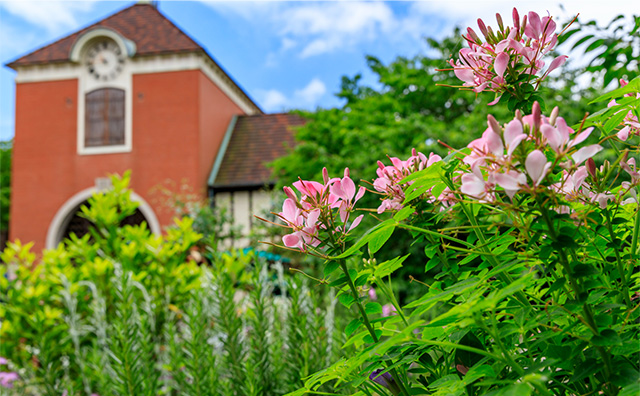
x=286, y=55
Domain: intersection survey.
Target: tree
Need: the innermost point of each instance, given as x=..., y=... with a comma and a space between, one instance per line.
x=5, y=184
x=414, y=107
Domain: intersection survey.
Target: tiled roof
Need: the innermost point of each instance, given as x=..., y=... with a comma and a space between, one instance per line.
x=143, y=24
x=255, y=141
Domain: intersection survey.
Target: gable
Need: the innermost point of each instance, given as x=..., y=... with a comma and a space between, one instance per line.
x=153, y=36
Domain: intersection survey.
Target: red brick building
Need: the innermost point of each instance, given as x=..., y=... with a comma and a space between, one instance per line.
x=133, y=92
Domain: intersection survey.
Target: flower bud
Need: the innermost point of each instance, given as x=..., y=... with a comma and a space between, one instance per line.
x=483, y=29
x=493, y=123
x=472, y=36
x=290, y=194
x=537, y=115
x=591, y=168
x=516, y=20
x=554, y=116
x=325, y=175
x=499, y=19
x=519, y=115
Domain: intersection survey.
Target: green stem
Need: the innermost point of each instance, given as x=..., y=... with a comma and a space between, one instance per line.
x=365, y=319
x=504, y=277
x=636, y=230
x=614, y=240
x=577, y=290
x=388, y=292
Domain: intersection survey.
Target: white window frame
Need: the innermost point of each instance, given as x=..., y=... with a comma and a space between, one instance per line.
x=86, y=84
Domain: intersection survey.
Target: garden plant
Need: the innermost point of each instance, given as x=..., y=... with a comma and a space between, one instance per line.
x=531, y=233
x=533, y=229
x=124, y=312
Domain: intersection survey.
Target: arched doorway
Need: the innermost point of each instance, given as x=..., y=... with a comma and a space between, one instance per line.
x=80, y=226
x=67, y=219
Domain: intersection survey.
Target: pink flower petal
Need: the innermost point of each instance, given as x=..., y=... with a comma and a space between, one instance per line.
x=586, y=153
x=292, y=241
x=623, y=134
x=536, y=165
x=501, y=63
x=355, y=223
x=557, y=62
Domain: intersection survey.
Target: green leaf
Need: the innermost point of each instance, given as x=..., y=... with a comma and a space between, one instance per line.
x=557, y=285
x=403, y=213
x=352, y=327
x=361, y=280
x=415, y=190
x=594, y=45
x=615, y=120
x=585, y=369
x=606, y=337
x=630, y=390
x=388, y=267
x=380, y=238
x=371, y=233
x=517, y=390
x=330, y=267
x=582, y=40
x=373, y=308
x=370, y=339
x=346, y=299
x=438, y=189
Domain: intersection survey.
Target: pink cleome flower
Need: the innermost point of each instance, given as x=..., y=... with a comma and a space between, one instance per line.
x=509, y=51
x=389, y=177
x=312, y=213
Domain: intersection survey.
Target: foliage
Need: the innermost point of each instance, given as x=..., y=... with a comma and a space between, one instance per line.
x=615, y=48
x=130, y=313
x=5, y=184
x=536, y=248
x=213, y=223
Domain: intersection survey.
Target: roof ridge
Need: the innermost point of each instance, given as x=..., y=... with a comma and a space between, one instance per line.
x=72, y=33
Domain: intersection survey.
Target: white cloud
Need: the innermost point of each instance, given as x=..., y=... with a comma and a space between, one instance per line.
x=316, y=27
x=307, y=97
x=273, y=100
x=55, y=16
x=324, y=27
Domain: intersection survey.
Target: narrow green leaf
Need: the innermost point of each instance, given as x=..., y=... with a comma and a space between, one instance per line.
x=352, y=327
x=386, y=268
x=403, y=213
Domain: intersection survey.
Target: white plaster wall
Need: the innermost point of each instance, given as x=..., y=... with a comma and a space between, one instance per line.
x=242, y=206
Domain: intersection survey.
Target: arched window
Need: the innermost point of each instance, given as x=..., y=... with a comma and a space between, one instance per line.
x=104, y=117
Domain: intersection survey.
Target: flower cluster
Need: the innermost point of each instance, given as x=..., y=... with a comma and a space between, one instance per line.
x=7, y=378
x=630, y=124
x=509, y=52
x=514, y=158
x=308, y=215
x=389, y=178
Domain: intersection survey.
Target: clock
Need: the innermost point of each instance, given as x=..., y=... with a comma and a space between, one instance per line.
x=104, y=60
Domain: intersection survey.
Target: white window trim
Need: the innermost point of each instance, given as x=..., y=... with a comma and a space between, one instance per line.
x=86, y=84
x=128, y=114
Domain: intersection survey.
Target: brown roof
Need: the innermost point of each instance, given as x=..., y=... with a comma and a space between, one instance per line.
x=143, y=24
x=255, y=141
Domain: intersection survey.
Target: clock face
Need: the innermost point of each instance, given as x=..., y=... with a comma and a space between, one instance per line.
x=104, y=60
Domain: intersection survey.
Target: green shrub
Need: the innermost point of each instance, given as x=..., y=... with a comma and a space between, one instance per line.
x=124, y=312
